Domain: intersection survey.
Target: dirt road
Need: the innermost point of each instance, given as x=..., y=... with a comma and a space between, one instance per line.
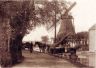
x=41, y=60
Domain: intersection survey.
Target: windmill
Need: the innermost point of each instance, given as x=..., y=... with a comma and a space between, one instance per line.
x=66, y=26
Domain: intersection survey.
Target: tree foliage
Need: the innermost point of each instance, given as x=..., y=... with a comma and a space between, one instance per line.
x=19, y=13
x=82, y=35
x=26, y=15
x=45, y=39
x=46, y=13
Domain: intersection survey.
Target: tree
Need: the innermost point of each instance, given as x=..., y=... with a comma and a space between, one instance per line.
x=83, y=36
x=44, y=39
x=18, y=15
x=49, y=10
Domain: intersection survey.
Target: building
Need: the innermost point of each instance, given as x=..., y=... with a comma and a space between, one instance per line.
x=92, y=39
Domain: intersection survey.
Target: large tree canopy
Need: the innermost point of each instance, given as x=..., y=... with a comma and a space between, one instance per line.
x=17, y=14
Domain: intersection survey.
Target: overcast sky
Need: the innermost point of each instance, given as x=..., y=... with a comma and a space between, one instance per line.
x=84, y=13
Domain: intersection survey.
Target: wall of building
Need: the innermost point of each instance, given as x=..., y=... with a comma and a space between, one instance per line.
x=92, y=40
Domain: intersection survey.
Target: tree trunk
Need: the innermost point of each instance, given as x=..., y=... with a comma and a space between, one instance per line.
x=5, y=56
x=16, y=49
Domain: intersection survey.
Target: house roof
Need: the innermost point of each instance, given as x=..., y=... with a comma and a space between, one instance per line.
x=93, y=27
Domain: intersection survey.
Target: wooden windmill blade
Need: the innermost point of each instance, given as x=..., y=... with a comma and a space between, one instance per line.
x=62, y=39
x=67, y=10
x=63, y=15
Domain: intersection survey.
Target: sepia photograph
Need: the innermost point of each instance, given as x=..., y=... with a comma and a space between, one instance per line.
x=47, y=34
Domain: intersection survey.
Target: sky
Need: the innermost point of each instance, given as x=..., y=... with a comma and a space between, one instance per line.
x=84, y=13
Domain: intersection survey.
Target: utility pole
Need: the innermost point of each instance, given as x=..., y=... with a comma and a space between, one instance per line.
x=55, y=26
x=54, y=19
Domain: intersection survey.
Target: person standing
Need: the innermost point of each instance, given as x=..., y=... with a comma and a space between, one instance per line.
x=31, y=47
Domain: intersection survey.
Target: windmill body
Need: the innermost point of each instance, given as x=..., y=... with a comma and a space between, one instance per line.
x=67, y=26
